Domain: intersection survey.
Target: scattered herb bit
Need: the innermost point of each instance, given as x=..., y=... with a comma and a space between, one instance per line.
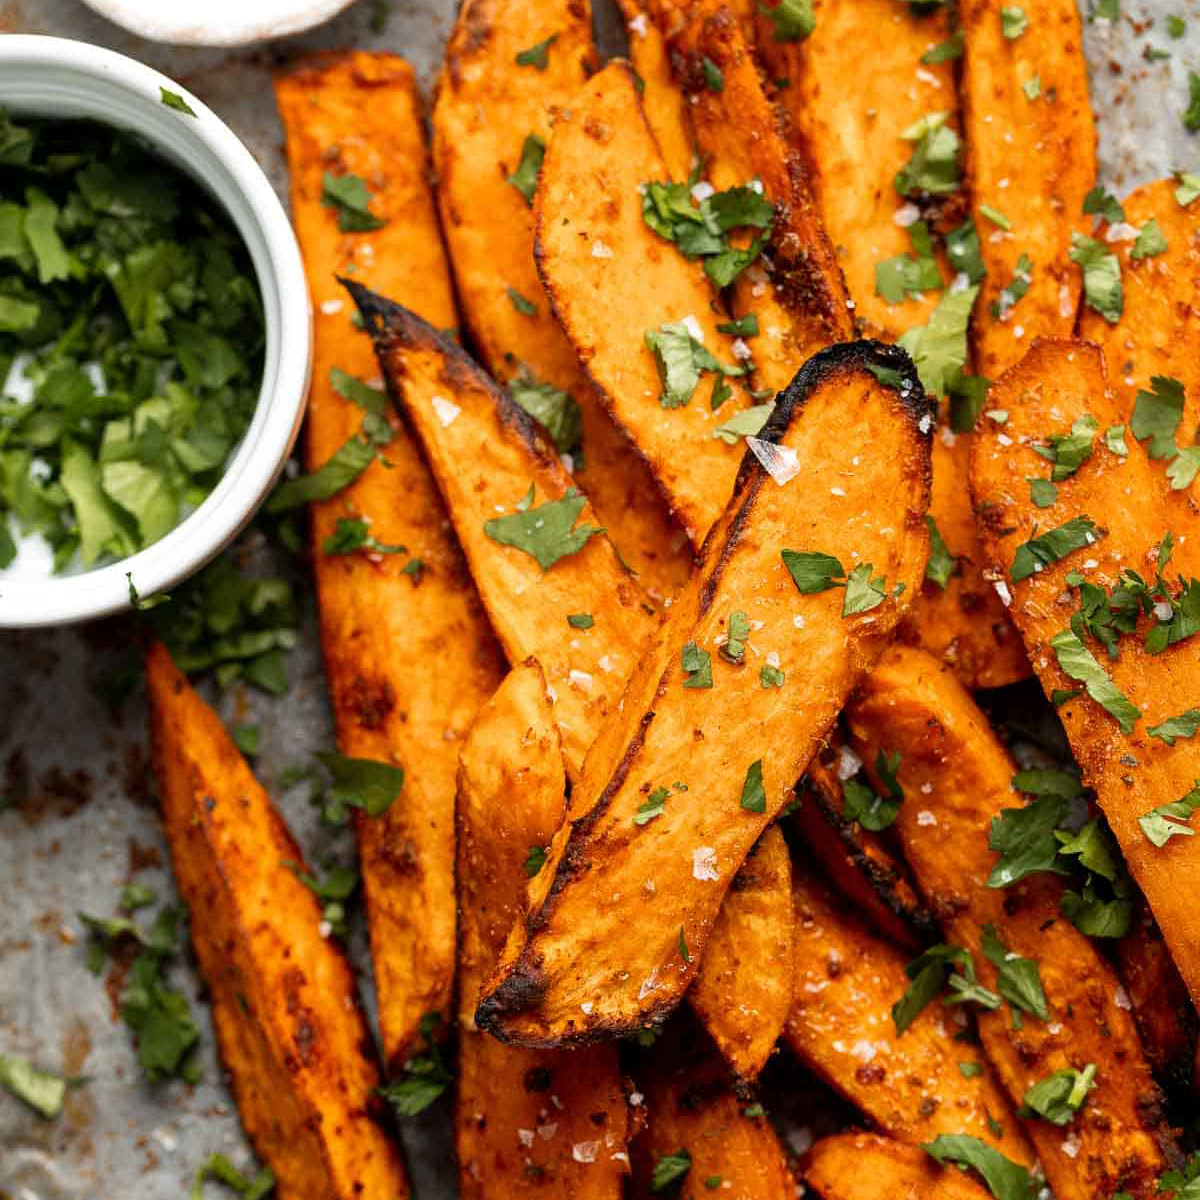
x=369, y=399
x=1078, y=662
x=793, y=20
x=546, y=533
x=963, y=250
x=348, y=194
x=1114, y=439
x=1156, y=416
x=525, y=177
x=745, y=326
x=652, y=806
x=681, y=360
x=1184, y=725
x=1032, y=87
x=939, y=349
x=426, y=1075
x=812, y=572
x=361, y=783
x=1069, y=451
x=734, y=649
x=713, y=1182
x=1101, y=202
x=1104, y=10
x=970, y=1070
x=1101, y=276
x=714, y=79
x=769, y=676
x=968, y=395
x=352, y=534
x=555, y=410
x=526, y=308
x=335, y=889
x=860, y=803
x=248, y=739
x=1009, y=295
x=697, y=664
x=1191, y=114
x=223, y=1171
x=347, y=463
x=1042, y=493
x=1161, y=824
x=1013, y=21
x=1176, y=26
x=754, y=798
x=907, y=274
x=684, y=952
x=176, y=101
x=40, y=1090
x=670, y=1168
x=933, y=167
x=1006, y=1180
x=1018, y=980
x=535, y=860
x=537, y=55
x=995, y=216
x=1150, y=241
x=1025, y=837
x=1060, y=1096
x=747, y=423
x=930, y=973
x=1047, y=548
x=1188, y=189
x=581, y=620
x=941, y=564
x=945, y=51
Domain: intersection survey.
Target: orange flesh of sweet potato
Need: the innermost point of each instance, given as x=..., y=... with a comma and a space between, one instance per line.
x=616, y=902
x=408, y=664
x=611, y=279
x=1160, y=325
x=954, y=769
x=485, y=452
x=802, y=304
x=1057, y=382
x=864, y=1166
x=1033, y=161
x=691, y=1105
x=743, y=990
x=847, y=980
x=664, y=105
x=486, y=106
x=291, y=1034
x=1161, y=1006
x=857, y=862
x=556, y=1118
x=847, y=115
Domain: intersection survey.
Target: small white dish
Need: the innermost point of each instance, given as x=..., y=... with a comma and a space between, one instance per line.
x=217, y=22
x=56, y=77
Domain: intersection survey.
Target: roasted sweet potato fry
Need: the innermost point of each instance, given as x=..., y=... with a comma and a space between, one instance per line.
x=291, y=1033
x=554, y=1117
x=1031, y=159
x=865, y=1166
x=1160, y=322
x=848, y=119
x=663, y=103
x=622, y=911
x=599, y=260
x=743, y=990
x=857, y=862
x=1133, y=773
x=696, y=1120
x=488, y=103
x=956, y=778
x=911, y=1086
x=382, y=629
x=479, y=444
x=805, y=306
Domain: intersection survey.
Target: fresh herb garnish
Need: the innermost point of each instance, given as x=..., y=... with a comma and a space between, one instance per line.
x=1101, y=276
x=525, y=177
x=40, y=1090
x=339, y=471
x=754, y=798
x=697, y=664
x=335, y=889
x=1010, y=294
x=793, y=20
x=538, y=55
x=352, y=534
x=964, y=252
x=348, y=194
x=933, y=167
x=1161, y=824
x=1013, y=21
x=941, y=564
x=1006, y=1180
x=930, y=972
x=176, y=101
x=1184, y=725
x=1060, y=1096
x=907, y=274
x=555, y=410
x=747, y=423
x=1150, y=241
x=360, y=783
x=1191, y=114
x=652, y=806
x=1032, y=87
x=814, y=572
x=1042, y=493
x=1044, y=549
x=535, y=860
x=945, y=51
x=1018, y=979
x=939, y=349
x=547, y=533
x=223, y=1171
x=526, y=308
x=1188, y=189
x=1069, y=451
x=770, y=677
x=681, y=360
x=581, y=620
x=426, y=1075
x=670, y=1169
x=1078, y=663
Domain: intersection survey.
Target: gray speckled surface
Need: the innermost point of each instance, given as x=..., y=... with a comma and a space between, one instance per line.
x=83, y=823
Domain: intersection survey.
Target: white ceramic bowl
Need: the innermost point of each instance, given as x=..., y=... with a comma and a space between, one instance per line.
x=217, y=22
x=55, y=77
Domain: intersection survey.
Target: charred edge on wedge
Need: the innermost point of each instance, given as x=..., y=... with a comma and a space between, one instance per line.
x=525, y=983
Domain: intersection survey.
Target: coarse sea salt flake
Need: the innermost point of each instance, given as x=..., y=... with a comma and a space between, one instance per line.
x=580, y=679
x=601, y=249
x=704, y=864
x=693, y=327
x=925, y=817
x=638, y=25
x=329, y=307
x=447, y=411
x=849, y=764
x=585, y=1152
x=525, y=1137
x=925, y=424
x=702, y=190
x=782, y=463
x=1003, y=592
x=906, y=215
x=1121, y=999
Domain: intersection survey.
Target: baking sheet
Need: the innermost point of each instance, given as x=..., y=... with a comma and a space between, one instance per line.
x=77, y=820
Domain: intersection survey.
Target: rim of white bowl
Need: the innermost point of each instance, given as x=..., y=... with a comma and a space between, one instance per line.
x=59, y=77
x=217, y=22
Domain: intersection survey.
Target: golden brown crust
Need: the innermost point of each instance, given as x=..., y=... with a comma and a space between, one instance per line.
x=864, y=1166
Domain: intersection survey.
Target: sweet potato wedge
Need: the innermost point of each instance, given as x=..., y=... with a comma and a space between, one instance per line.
x=381, y=629
x=1132, y=774
x=598, y=259
x=857, y=862
x=847, y=980
x=557, y=1118
x=485, y=452
x=487, y=105
x=865, y=1166
x=620, y=914
x=1161, y=319
x=1039, y=190
x=743, y=990
x=693, y=1109
x=663, y=103
x=291, y=1033
x=956, y=778
x=847, y=122
x=804, y=305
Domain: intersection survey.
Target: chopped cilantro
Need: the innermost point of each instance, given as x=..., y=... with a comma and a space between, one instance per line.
x=1009, y=295
x=1114, y=439
x=219, y=1168
x=41, y=1090
x=962, y=247
x=1191, y=114
x=555, y=410
x=670, y=1169
x=1156, y=416
x=968, y=395
x=747, y=423
x=1188, y=189
x=352, y=534
x=934, y=166
x=1069, y=451
x=369, y=399
x=248, y=739
x=1161, y=824
x=681, y=360
x=1104, y=10
x=930, y=972
x=1101, y=276
x=1042, y=493
x=697, y=664
x=897, y=277
x=941, y=564
x=1078, y=663
x=939, y=349
x=951, y=48
x=546, y=533
x=1013, y=21
x=860, y=803
x=811, y=571
x=769, y=677
x=581, y=620
x=1018, y=980
x=535, y=860
x=526, y=308
x=754, y=798
x=1176, y=26
x=335, y=889
x=1047, y=548
x=684, y=952
x=1184, y=725
x=734, y=649
x=348, y=194
x=362, y=783
x=538, y=55
x=426, y=1075
x=793, y=20
x=969, y=1070
x=346, y=464
x=525, y=177
x=745, y=326
x=1032, y=87
x=176, y=101
x=1149, y=242
x=1006, y=1180
x=996, y=217
x=714, y=80
x=652, y=806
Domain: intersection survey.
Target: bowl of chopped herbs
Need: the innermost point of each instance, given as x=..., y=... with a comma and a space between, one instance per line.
x=154, y=333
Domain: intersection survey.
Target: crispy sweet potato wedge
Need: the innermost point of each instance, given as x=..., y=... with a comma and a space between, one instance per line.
x=650, y=891
x=291, y=1033
x=693, y=1108
x=1131, y=774
x=847, y=980
x=381, y=629
x=743, y=990
x=1039, y=188
x=857, y=862
x=865, y=1166
x=805, y=307
x=1161, y=320
x=847, y=118
x=487, y=105
x=612, y=279
x=664, y=105
x=954, y=769
x=554, y=1117
x=478, y=443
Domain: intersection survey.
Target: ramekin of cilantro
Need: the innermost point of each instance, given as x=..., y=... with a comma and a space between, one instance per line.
x=154, y=333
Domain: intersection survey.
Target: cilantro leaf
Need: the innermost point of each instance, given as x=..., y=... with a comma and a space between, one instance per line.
x=40, y=1090
x=934, y=166
x=1114, y=439
x=964, y=252
x=581, y=620
x=1013, y=21
x=929, y=973
x=369, y=399
x=1170, y=820
x=754, y=798
x=1017, y=979
x=555, y=410
x=426, y=1075
x=538, y=55
x=652, y=806
x=1101, y=202
x=1009, y=295
x=945, y=51
x=1191, y=114
x=535, y=860
x=1150, y=241
x=525, y=177
x=745, y=326
x=1060, y=1096
x=223, y=1171
x=939, y=349
x=347, y=463
x=1176, y=26
x=1024, y=839
x=769, y=676
x=348, y=194
x=352, y=534
x=362, y=782
x=1042, y=493
x=1047, y=548
x=176, y=101
x=860, y=803
x=681, y=359
x=942, y=564
x=1032, y=87
x=526, y=308
x=1101, y=276
x=793, y=20
x=747, y=423
x=1078, y=663
x=1188, y=189
x=1184, y=725
x=697, y=664
x=669, y=1170
x=1006, y=1180
x=811, y=571
x=1069, y=451
x=1156, y=415
x=547, y=533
